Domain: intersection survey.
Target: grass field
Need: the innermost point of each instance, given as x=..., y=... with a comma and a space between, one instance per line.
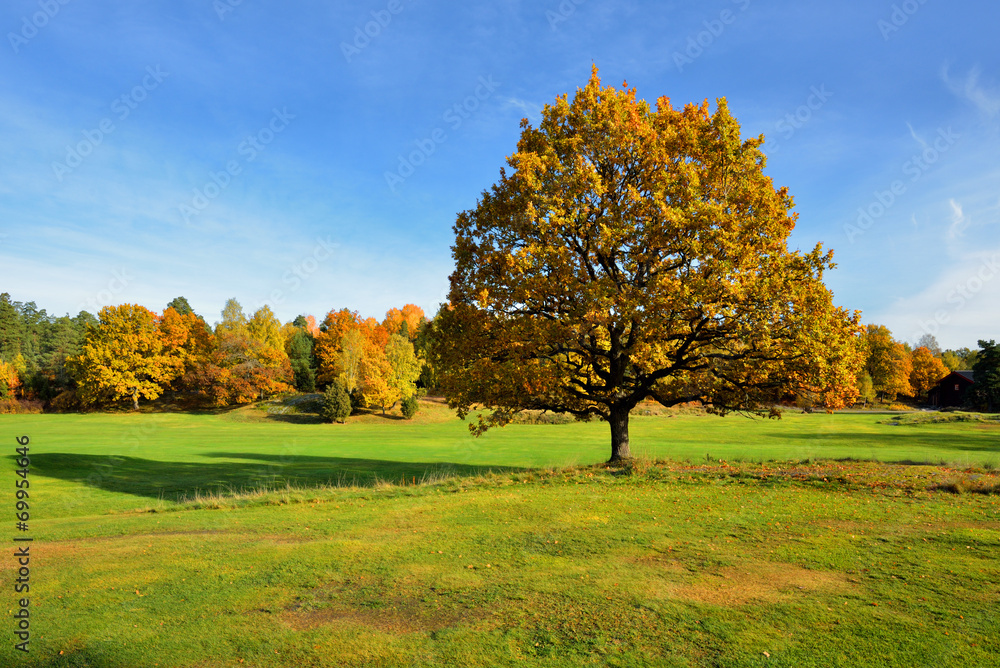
x=156, y=546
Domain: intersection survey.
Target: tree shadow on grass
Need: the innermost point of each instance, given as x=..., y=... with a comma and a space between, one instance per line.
x=901, y=437
x=296, y=418
x=179, y=480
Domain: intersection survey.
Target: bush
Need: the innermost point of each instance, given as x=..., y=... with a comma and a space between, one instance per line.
x=336, y=402
x=10, y=405
x=542, y=417
x=409, y=407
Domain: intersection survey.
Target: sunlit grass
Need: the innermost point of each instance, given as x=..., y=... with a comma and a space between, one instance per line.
x=382, y=542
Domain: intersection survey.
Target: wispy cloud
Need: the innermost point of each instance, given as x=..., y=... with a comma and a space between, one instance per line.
x=532, y=110
x=917, y=138
x=958, y=220
x=987, y=100
x=958, y=306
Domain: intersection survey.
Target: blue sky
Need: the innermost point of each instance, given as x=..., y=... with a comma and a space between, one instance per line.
x=241, y=148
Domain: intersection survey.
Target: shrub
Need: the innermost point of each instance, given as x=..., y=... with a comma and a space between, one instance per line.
x=67, y=401
x=542, y=417
x=336, y=402
x=10, y=405
x=409, y=407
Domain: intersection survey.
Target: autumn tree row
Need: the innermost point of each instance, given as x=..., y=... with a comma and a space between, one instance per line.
x=893, y=368
x=131, y=354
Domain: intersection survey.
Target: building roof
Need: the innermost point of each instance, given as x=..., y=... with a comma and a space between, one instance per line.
x=951, y=377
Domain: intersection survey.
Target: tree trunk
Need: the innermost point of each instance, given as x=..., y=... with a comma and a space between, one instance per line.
x=619, y=436
x=135, y=401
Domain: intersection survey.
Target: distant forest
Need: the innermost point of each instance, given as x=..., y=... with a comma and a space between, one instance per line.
x=128, y=354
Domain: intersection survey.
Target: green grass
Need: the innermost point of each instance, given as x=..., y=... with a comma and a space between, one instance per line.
x=139, y=560
x=163, y=458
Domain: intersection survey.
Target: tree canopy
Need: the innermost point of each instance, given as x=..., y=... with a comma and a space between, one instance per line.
x=124, y=357
x=887, y=362
x=926, y=370
x=986, y=390
x=635, y=252
x=181, y=305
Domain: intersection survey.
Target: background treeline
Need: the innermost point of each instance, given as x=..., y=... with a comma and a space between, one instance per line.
x=129, y=354
x=893, y=369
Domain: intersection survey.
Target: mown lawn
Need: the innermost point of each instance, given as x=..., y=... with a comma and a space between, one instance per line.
x=696, y=564
x=104, y=462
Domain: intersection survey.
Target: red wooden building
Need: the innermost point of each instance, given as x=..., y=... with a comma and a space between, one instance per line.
x=950, y=390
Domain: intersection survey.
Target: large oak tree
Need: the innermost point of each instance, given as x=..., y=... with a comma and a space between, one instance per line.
x=631, y=253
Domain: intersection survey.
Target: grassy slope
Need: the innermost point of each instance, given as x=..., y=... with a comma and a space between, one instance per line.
x=677, y=566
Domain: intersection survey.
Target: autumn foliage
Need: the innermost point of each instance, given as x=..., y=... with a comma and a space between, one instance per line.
x=373, y=360
x=10, y=382
x=887, y=363
x=636, y=252
x=124, y=358
x=926, y=370
x=133, y=354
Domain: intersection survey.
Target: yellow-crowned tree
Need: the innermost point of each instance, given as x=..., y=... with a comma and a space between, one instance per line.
x=634, y=252
x=124, y=358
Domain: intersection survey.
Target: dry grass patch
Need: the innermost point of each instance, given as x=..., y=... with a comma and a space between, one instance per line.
x=399, y=616
x=759, y=581
x=660, y=563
